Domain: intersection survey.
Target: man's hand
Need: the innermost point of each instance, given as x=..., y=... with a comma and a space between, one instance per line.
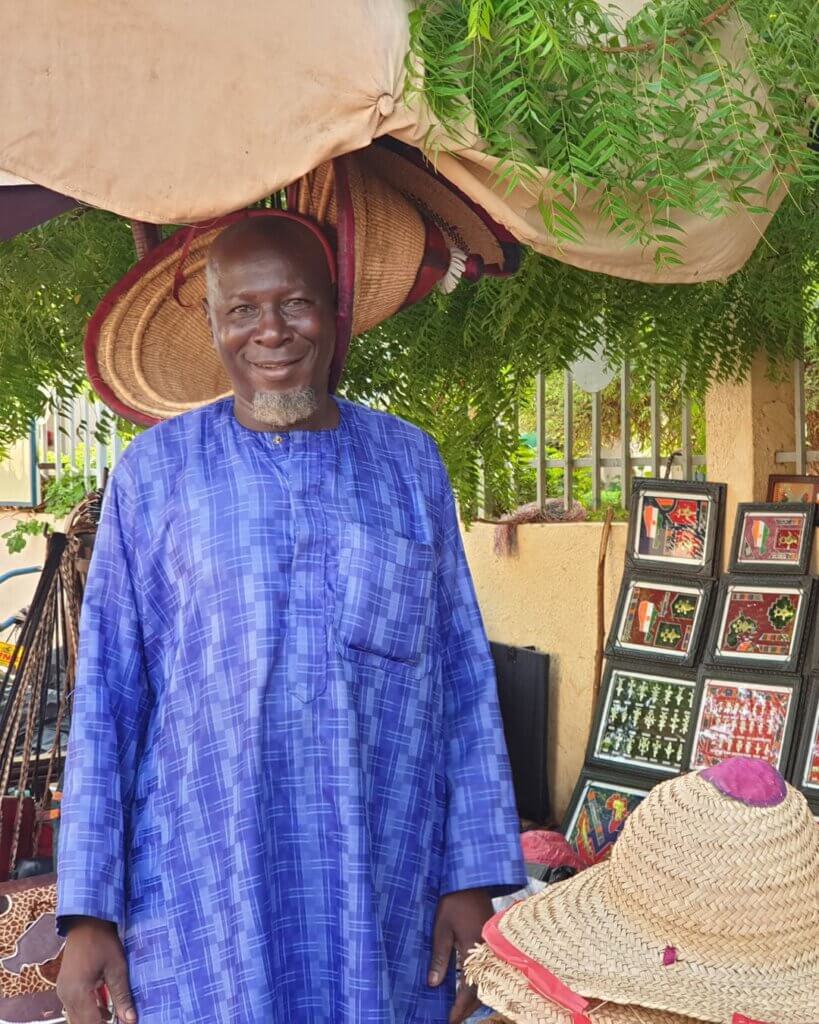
x=94, y=956
x=458, y=924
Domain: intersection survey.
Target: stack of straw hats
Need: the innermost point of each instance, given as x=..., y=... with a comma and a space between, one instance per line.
x=708, y=910
x=397, y=230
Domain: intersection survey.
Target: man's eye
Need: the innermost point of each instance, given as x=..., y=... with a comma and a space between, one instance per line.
x=297, y=303
x=242, y=310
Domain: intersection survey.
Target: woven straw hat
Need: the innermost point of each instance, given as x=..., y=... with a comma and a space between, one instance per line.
x=394, y=230
x=707, y=909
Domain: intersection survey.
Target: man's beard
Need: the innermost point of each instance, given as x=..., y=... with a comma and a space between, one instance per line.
x=285, y=408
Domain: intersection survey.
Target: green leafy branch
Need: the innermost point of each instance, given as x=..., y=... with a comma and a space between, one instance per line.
x=650, y=116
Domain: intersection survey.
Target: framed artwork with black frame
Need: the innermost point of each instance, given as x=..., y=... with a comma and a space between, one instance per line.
x=761, y=622
x=746, y=714
x=805, y=772
x=676, y=526
x=662, y=619
x=643, y=719
x=784, y=489
x=600, y=804
x=771, y=538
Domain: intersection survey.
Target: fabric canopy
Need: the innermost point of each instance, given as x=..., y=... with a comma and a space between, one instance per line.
x=178, y=112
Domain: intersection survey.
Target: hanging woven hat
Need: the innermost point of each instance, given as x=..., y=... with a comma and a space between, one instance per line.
x=708, y=909
x=393, y=230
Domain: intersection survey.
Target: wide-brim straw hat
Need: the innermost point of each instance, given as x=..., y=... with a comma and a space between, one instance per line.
x=396, y=229
x=707, y=909
x=507, y=990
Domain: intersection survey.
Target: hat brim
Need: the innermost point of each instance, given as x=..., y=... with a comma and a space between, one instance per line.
x=506, y=990
x=465, y=224
x=575, y=932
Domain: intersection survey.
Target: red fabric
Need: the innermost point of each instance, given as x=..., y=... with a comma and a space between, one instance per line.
x=551, y=849
x=433, y=266
x=540, y=979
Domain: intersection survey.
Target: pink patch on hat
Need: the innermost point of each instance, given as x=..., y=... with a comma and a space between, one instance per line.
x=748, y=780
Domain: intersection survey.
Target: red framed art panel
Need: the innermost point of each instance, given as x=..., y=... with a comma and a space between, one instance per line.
x=744, y=714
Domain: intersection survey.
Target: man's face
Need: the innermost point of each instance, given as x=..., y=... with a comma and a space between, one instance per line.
x=272, y=314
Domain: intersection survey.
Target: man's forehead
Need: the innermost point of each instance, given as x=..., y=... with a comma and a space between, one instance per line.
x=252, y=242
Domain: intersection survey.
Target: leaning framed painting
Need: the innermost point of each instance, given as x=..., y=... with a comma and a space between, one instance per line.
x=660, y=619
x=784, y=489
x=643, y=719
x=744, y=714
x=772, y=538
x=597, y=812
x=675, y=526
x=805, y=772
x=761, y=622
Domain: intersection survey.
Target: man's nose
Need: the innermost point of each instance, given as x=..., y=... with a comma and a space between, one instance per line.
x=271, y=328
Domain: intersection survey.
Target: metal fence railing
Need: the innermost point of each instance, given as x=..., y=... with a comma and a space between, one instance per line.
x=629, y=462
x=78, y=436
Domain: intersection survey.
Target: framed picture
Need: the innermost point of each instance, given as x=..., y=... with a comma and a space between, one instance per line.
x=760, y=622
x=773, y=538
x=660, y=619
x=675, y=525
x=805, y=774
x=643, y=719
x=744, y=713
x=783, y=490
x=598, y=810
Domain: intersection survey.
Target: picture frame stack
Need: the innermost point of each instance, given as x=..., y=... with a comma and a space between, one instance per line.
x=700, y=667
x=750, y=688
x=641, y=729
x=784, y=494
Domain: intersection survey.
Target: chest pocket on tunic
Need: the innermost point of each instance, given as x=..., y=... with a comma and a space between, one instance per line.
x=385, y=586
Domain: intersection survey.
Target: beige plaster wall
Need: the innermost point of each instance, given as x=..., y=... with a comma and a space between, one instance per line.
x=746, y=424
x=546, y=596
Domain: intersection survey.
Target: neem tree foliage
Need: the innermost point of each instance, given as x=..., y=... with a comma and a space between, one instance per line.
x=653, y=114
x=552, y=83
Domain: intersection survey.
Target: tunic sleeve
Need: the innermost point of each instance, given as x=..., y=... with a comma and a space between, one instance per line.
x=109, y=715
x=482, y=829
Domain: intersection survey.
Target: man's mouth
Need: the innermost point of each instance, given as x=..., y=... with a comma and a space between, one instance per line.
x=275, y=367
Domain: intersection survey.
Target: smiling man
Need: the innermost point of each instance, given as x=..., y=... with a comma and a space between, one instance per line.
x=287, y=795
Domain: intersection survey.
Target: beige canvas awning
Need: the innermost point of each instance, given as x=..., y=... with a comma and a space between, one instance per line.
x=177, y=112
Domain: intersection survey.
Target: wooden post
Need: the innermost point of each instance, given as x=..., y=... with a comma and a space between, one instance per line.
x=601, y=604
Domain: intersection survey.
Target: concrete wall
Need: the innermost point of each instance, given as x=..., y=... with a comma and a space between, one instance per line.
x=546, y=596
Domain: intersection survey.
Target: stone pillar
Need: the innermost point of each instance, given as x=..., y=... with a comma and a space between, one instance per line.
x=746, y=425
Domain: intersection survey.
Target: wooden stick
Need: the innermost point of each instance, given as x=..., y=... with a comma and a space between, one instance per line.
x=146, y=237
x=601, y=604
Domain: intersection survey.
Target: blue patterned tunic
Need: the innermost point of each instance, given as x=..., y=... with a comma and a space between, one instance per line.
x=286, y=742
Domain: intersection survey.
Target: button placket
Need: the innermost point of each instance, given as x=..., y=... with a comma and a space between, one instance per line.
x=306, y=629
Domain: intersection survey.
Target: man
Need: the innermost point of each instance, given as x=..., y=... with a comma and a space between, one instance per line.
x=287, y=796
